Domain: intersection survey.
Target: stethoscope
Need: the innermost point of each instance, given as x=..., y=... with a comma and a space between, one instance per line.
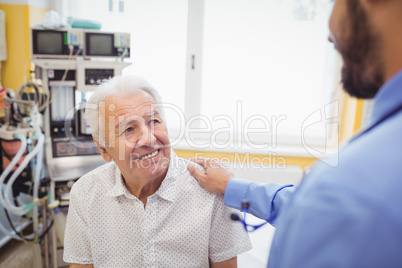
x=248, y=227
x=245, y=204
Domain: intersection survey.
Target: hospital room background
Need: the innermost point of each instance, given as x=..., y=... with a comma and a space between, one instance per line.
x=254, y=84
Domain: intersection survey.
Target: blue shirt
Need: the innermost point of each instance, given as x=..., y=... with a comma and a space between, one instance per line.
x=344, y=216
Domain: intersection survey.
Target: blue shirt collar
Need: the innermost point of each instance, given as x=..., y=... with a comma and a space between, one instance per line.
x=388, y=98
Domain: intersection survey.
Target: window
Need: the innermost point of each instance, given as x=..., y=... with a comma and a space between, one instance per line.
x=158, y=42
x=251, y=75
x=259, y=53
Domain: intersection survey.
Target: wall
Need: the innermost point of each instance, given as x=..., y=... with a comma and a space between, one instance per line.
x=351, y=117
x=350, y=123
x=237, y=157
x=19, y=18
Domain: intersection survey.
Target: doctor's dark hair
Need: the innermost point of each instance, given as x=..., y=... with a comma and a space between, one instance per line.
x=123, y=86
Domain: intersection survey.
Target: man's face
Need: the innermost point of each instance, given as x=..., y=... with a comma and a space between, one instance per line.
x=359, y=45
x=136, y=137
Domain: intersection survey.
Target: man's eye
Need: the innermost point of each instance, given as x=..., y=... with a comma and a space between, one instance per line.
x=154, y=121
x=128, y=130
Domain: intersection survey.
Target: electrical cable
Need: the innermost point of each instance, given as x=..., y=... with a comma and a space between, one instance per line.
x=5, y=173
x=42, y=98
x=38, y=88
x=125, y=52
x=38, y=170
x=12, y=164
x=38, y=150
x=70, y=57
x=25, y=237
x=11, y=93
x=42, y=94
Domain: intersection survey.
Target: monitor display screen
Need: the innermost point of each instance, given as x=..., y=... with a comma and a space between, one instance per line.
x=100, y=44
x=49, y=42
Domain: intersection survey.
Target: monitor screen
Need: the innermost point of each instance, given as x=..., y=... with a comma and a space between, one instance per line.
x=49, y=42
x=100, y=44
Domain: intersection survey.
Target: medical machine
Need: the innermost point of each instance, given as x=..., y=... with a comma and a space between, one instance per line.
x=71, y=63
x=75, y=42
x=22, y=148
x=57, y=43
x=100, y=44
x=70, y=150
x=46, y=143
x=21, y=145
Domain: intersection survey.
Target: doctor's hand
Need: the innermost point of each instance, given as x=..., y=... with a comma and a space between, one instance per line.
x=215, y=178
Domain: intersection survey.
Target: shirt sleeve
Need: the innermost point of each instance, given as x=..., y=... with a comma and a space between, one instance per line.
x=227, y=237
x=77, y=247
x=265, y=199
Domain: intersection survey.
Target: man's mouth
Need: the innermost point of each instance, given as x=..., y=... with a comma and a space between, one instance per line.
x=147, y=156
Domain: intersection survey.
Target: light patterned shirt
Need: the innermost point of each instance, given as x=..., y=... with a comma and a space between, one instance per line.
x=183, y=225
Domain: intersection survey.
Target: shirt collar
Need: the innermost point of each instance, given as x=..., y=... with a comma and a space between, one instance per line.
x=118, y=185
x=168, y=187
x=388, y=98
x=167, y=190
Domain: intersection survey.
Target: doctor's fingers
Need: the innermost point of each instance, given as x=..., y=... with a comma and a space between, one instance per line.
x=211, y=182
x=206, y=163
x=215, y=178
x=196, y=172
x=214, y=169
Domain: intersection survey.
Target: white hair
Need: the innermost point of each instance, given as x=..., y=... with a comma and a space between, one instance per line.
x=125, y=86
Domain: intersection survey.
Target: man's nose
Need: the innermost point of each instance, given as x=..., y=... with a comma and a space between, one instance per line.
x=147, y=137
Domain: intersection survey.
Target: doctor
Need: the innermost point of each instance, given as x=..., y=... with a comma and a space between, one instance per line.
x=350, y=215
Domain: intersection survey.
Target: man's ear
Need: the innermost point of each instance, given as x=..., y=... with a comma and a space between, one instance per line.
x=105, y=155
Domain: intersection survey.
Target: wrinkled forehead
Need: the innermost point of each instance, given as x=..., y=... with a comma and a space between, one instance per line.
x=136, y=97
x=140, y=103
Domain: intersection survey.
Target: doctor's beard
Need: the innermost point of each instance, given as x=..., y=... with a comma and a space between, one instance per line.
x=362, y=71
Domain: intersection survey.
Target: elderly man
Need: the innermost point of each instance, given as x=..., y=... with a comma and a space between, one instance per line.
x=350, y=215
x=144, y=209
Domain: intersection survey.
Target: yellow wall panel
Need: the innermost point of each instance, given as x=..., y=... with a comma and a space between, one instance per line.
x=271, y=159
x=19, y=18
x=358, y=115
x=351, y=118
x=16, y=24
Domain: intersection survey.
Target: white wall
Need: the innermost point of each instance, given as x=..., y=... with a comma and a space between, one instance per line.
x=36, y=3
